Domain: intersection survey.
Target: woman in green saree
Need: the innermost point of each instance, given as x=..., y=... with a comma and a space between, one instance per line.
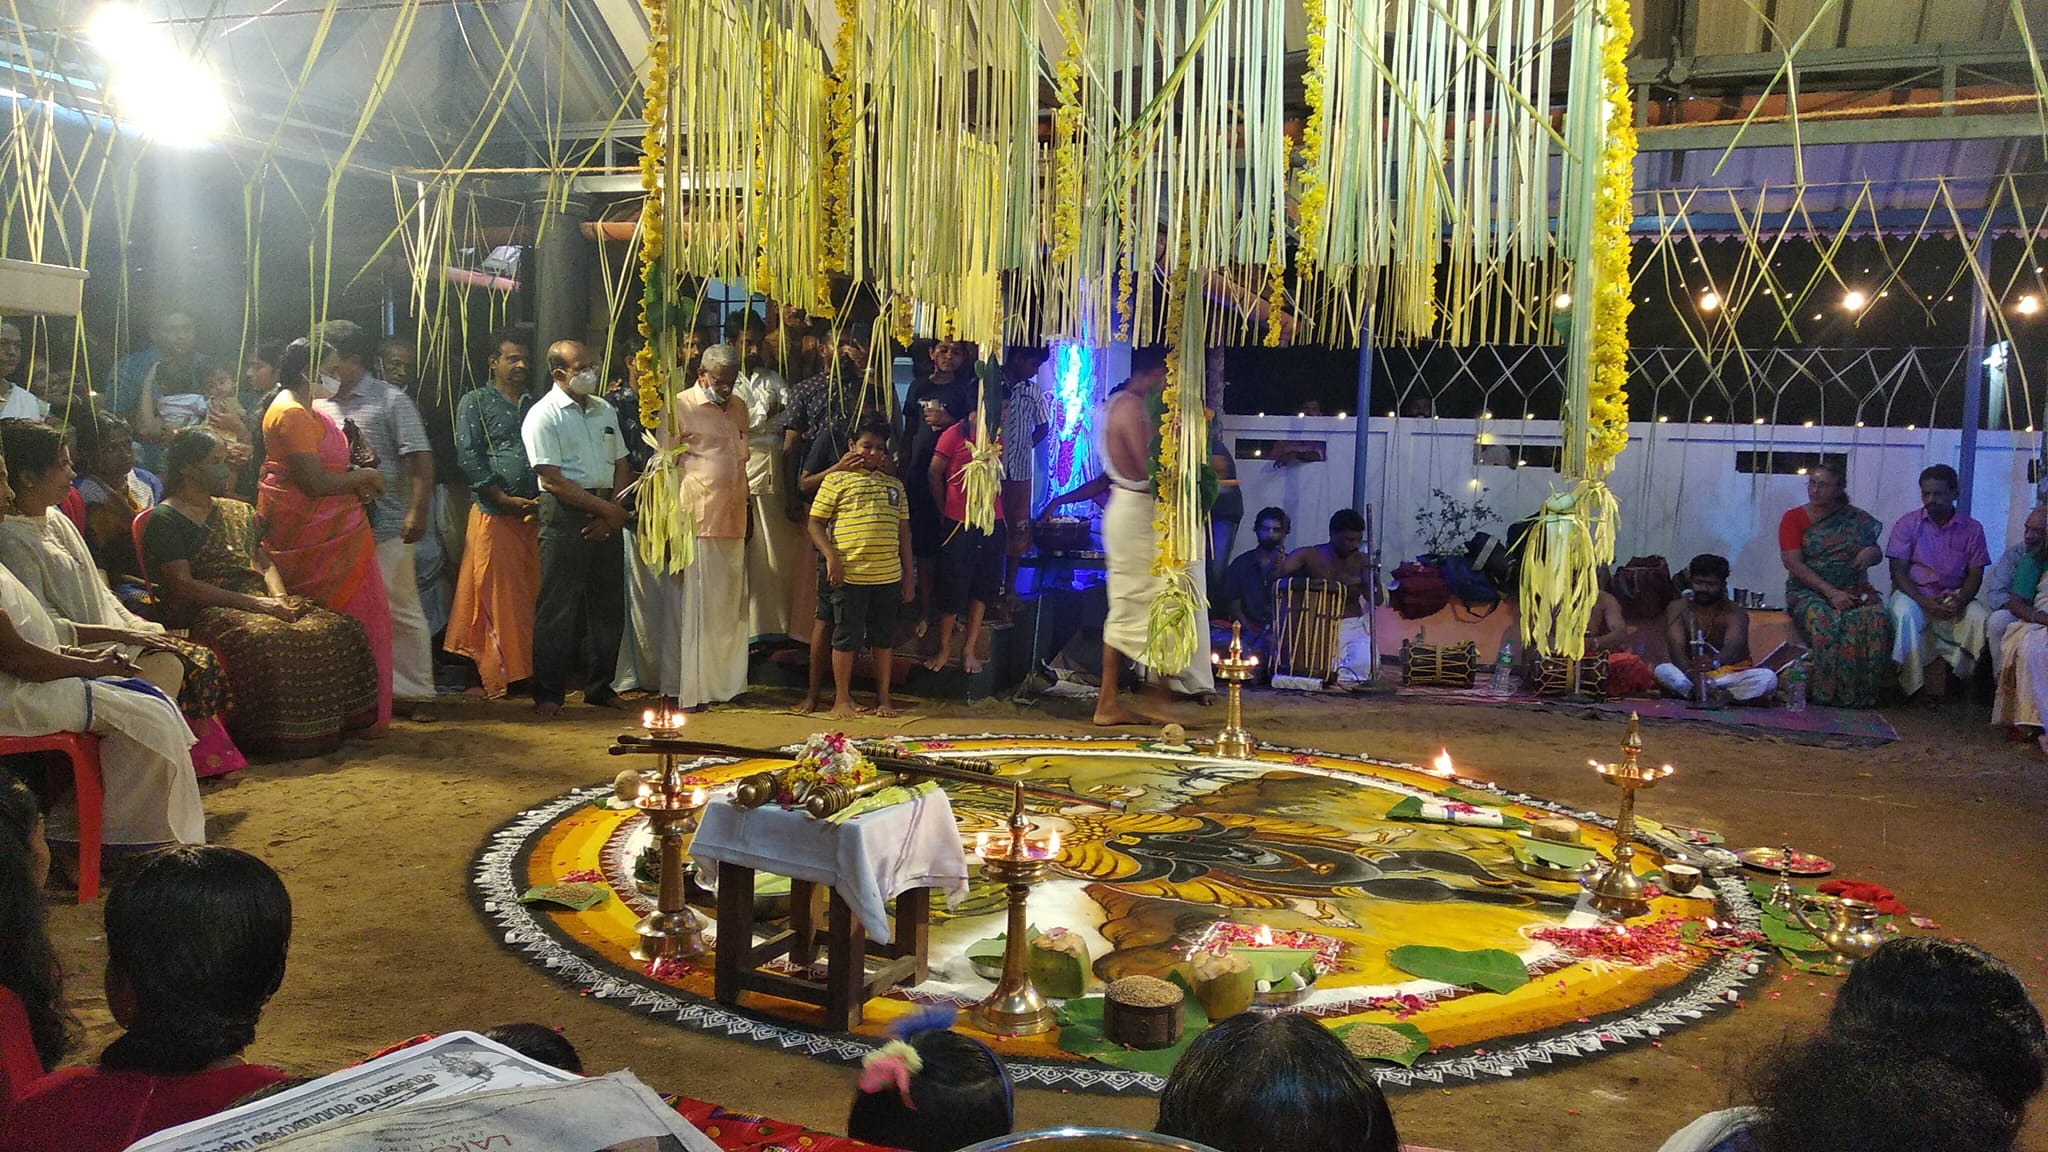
x=1828, y=546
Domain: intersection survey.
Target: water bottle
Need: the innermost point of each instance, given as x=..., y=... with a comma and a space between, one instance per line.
x=1795, y=687
x=1504, y=672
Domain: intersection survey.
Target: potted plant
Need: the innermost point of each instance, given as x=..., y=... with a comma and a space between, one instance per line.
x=1445, y=523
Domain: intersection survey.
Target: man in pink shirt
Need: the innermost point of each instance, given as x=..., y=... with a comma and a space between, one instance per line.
x=1937, y=559
x=970, y=561
x=709, y=598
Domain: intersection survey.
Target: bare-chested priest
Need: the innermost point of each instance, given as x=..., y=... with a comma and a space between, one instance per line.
x=1723, y=628
x=1343, y=560
x=1125, y=448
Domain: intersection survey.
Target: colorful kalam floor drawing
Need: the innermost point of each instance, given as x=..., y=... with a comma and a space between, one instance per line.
x=1296, y=842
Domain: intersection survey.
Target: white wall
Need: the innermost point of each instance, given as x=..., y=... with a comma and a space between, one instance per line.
x=1678, y=488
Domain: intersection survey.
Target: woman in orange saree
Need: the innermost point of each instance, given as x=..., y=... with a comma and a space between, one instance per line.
x=312, y=502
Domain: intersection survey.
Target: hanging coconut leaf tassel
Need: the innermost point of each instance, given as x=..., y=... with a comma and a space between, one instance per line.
x=982, y=476
x=1561, y=559
x=1174, y=628
x=667, y=526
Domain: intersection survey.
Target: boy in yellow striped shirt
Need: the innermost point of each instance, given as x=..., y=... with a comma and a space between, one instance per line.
x=860, y=521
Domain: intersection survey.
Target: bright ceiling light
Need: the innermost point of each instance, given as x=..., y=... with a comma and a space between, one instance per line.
x=1855, y=301
x=1562, y=302
x=1709, y=300
x=2028, y=305
x=157, y=87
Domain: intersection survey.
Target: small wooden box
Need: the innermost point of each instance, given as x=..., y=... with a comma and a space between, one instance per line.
x=1142, y=1025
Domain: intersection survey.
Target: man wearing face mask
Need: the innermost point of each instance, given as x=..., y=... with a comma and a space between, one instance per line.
x=709, y=598
x=1938, y=558
x=1707, y=635
x=573, y=442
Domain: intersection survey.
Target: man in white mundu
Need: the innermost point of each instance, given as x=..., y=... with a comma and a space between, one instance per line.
x=709, y=597
x=1124, y=448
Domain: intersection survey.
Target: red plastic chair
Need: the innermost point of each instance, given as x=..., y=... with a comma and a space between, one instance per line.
x=83, y=750
x=136, y=528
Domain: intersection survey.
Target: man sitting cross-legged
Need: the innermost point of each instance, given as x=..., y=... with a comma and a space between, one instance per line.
x=1722, y=628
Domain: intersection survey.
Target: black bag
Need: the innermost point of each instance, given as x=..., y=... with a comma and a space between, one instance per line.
x=1468, y=585
x=1500, y=561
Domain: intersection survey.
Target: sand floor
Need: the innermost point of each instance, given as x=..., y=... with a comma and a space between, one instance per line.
x=374, y=842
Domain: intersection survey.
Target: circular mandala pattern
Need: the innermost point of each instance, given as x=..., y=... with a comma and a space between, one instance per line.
x=1324, y=851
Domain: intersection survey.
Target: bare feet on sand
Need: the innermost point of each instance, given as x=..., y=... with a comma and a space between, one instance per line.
x=805, y=706
x=890, y=712
x=971, y=663
x=846, y=712
x=937, y=663
x=618, y=702
x=548, y=709
x=1117, y=716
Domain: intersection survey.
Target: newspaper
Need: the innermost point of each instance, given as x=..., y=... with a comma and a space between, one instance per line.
x=426, y=1096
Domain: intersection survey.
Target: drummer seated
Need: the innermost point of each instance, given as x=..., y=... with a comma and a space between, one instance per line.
x=1343, y=561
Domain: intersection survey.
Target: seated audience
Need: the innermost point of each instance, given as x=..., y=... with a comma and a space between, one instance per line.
x=1722, y=628
x=1829, y=546
x=2022, y=651
x=539, y=1042
x=36, y=1029
x=931, y=1089
x=196, y=942
x=300, y=674
x=1997, y=589
x=1258, y=1083
x=1246, y=591
x=40, y=546
x=1931, y=1044
x=145, y=759
x=115, y=492
x=1938, y=558
x=1343, y=560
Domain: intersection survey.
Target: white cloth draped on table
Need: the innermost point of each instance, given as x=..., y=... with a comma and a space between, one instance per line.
x=869, y=859
x=2023, y=670
x=152, y=796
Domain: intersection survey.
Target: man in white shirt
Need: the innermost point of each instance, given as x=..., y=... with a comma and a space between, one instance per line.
x=16, y=402
x=775, y=547
x=573, y=442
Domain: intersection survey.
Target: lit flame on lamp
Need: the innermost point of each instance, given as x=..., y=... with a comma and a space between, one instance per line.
x=1045, y=849
x=663, y=720
x=1265, y=937
x=1442, y=765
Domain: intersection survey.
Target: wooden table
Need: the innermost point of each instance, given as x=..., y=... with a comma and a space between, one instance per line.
x=847, y=982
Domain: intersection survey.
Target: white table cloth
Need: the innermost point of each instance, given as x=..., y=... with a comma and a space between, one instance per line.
x=867, y=860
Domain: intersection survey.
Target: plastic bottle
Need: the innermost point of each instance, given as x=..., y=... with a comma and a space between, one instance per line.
x=1504, y=672
x=1795, y=687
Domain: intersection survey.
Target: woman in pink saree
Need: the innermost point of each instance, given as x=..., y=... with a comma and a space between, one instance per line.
x=312, y=502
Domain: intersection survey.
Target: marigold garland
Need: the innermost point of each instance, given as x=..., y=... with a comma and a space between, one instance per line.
x=1172, y=625
x=1614, y=209
x=1276, y=261
x=837, y=225
x=1066, y=136
x=1313, y=195
x=646, y=377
